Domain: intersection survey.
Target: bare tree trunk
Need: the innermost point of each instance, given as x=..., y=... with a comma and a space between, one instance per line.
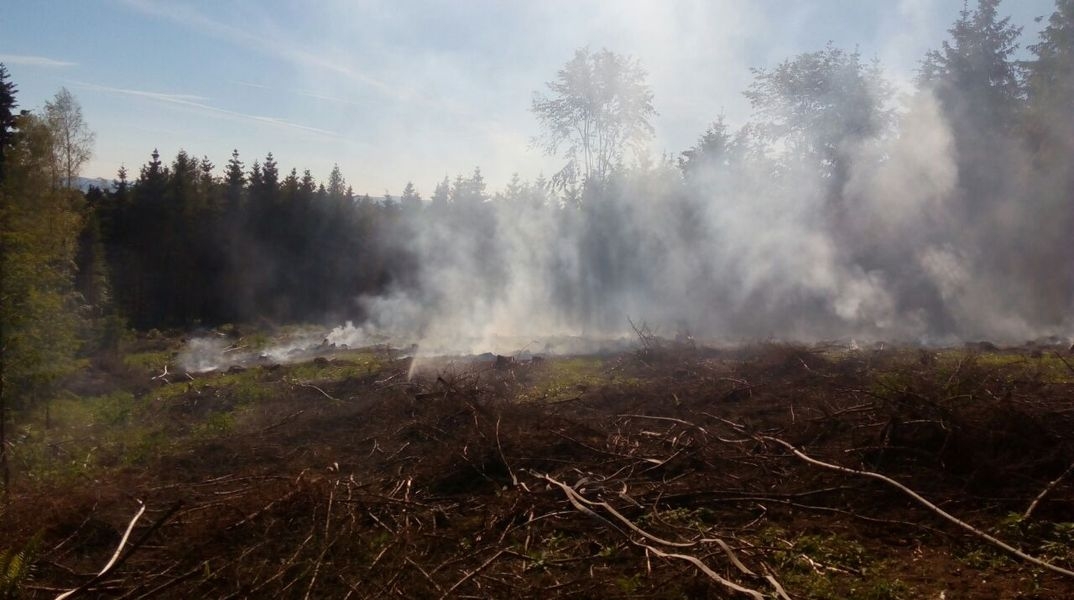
x=5, y=472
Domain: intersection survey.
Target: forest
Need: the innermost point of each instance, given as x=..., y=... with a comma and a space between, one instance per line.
x=914, y=206
x=849, y=207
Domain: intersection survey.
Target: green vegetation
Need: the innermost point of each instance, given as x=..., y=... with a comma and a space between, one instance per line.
x=150, y=361
x=569, y=378
x=16, y=567
x=668, y=477
x=565, y=379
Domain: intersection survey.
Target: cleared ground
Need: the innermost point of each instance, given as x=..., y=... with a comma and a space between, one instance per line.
x=665, y=473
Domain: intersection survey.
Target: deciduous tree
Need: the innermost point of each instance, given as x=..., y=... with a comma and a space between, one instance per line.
x=599, y=105
x=72, y=139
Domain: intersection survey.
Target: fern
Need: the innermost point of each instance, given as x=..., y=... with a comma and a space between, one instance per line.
x=15, y=569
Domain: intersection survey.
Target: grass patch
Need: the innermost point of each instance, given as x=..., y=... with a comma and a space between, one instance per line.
x=248, y=385
x=565, y=378
x=349, y=365
x=149, y=361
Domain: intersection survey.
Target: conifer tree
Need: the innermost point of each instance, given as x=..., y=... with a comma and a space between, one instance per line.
x=7, y=114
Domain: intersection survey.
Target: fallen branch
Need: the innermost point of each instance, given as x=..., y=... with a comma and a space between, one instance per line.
x=707, y=571
x=1047, y=490
x=116, y=559
x=1060, y=357
x=929, y=505
x=471, y=574
x=313, y=387
x=782, y=593
x=580, y=503
x=510, y=471
x=115, y=556
x=281, y=422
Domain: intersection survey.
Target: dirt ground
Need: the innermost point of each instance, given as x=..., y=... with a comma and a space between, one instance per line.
x=663, y=473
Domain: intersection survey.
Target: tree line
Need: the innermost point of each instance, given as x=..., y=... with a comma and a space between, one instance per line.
x=183, y=243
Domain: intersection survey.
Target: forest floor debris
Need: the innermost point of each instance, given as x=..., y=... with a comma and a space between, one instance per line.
x=666, y=473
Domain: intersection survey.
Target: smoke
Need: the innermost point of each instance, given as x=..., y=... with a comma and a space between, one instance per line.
x=921, y=219
x=217, y=352
x=748, y=247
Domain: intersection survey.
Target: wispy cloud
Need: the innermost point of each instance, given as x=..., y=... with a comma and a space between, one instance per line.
x=317, y=96
x=189, y=17
x=250, y=85
x=304, y=93
x=34, y=61
x=198, y=103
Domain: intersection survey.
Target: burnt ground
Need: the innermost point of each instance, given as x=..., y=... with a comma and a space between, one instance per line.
x=658, y=474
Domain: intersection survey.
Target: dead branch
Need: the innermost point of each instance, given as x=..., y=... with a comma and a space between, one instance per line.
x=1060, y=357
x=929, y=505
x=281, y=422
x=707, y=571
x=313, y=387
x=579, y=501
x=510, y=471
x=670, y=419
x=771, y=579
x=1047, y=490
x=470, y=574
x=115, y=556
x=118, y=558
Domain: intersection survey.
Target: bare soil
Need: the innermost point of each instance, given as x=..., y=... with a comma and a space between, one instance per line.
x=612, y=477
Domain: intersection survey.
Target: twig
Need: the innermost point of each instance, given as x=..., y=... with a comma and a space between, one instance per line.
x=115, y=556
x=116, y=559
x=313, y=387
x=731, y=556
x=707, y=571
x=1047, y=490
x=782, y=593
x=281, y=422
x=574, y=500
x=579, y=501
x=1060, y=357
x=929, y=505
x=671, y=419
x=426, y=574
x=510, y=471
x=470, y=575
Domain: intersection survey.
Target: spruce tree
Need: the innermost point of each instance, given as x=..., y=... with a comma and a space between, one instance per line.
x=7, y=115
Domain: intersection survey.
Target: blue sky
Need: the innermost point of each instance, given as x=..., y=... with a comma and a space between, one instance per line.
x=397, y=90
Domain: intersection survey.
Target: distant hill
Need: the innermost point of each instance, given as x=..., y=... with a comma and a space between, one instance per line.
x=84, y=183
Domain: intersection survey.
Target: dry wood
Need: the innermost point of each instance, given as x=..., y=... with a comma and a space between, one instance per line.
x=579, y=502
x=313, y=387
x=707, y=571
x=929, y=505
x=118, y=557
x=1047, y=490
x=471, y=574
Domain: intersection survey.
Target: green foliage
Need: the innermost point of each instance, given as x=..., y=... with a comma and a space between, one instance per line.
x=216, y=424
x=150, y=361
x=976, y=64
x=72, y=143
x=39, y=227
x=831, y=567
x=347, y=366
x=565, y=378
x=16, y=568
x=821, y=104
x=114, y=409
x=7, y=114
x=629, y=585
